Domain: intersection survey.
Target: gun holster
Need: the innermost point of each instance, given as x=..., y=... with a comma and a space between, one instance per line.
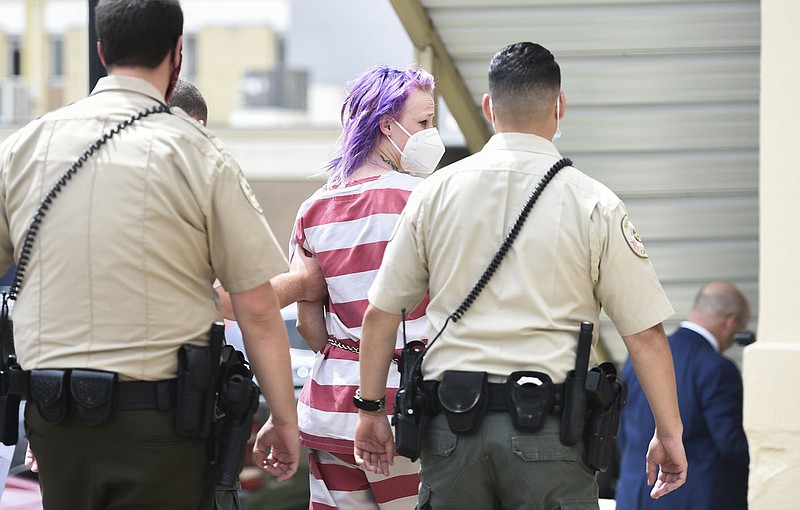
x=195, y=400
x=464, y=397
x=606, y=396
x=410, y=401
x=237, y=402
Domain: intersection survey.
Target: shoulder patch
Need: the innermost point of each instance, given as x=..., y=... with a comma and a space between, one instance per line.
x=248, y=193
x=632, y=237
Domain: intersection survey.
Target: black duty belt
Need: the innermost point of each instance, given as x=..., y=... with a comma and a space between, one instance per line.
x=129, y=395
x=499, y=400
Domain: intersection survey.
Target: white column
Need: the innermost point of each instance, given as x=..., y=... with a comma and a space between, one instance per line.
x=771, y=366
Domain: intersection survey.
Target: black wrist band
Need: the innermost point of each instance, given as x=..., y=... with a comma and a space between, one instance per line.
x=368, y=405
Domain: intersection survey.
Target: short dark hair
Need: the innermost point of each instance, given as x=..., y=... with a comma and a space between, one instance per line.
x=189, y=98
x=138, y=32
x=524, y=79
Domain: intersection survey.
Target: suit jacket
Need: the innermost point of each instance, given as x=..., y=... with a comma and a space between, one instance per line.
x=710, y=401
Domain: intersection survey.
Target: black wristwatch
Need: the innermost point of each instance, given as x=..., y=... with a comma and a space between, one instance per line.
x=368, y=405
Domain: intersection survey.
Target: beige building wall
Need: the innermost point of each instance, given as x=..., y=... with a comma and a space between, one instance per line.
x=220, y=70
x=4, y=55
x=771, y=366
x=35, y=63
x=76, y=64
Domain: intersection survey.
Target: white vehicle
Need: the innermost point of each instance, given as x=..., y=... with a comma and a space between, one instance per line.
x=301, y=354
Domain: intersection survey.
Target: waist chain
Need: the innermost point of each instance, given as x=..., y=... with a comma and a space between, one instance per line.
x=350, y=348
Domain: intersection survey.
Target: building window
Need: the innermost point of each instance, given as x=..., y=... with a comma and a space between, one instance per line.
x=56, y=58
x=15, y=55
x=189, y=65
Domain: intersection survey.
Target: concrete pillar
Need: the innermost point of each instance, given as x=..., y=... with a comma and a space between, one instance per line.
x=426, y=58
x=771, y=366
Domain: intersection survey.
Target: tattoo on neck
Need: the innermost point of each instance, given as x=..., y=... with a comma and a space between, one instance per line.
x=389, y=162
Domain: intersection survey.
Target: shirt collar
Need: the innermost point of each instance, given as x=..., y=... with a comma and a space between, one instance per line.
x=522, y=142
x=700, y=330
x=129, y=83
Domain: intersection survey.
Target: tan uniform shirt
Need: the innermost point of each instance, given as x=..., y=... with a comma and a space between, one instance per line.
x=122, y=267
x=576, y=252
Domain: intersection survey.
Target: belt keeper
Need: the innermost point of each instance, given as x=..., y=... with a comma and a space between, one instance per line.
x=162, y=396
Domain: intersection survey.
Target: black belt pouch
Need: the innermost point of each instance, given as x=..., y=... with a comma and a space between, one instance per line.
x=531, y=395
x=92, y=395
x=464, y=396
x=49, y=389
x=195, y=402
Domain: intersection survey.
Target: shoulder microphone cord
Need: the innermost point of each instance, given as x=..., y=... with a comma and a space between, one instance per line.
x=30, y=235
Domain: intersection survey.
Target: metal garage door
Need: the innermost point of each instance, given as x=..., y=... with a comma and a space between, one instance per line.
x=662, y=106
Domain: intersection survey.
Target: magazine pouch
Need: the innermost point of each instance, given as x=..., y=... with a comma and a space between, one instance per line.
x=92, y=395
x=49, y=389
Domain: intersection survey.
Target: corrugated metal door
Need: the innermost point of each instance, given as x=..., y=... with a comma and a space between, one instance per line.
x=662, y=106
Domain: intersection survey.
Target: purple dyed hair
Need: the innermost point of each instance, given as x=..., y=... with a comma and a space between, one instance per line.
x=378, y=92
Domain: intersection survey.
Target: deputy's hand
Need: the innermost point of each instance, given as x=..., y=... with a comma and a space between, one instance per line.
x=374, y=444
x=668, y=455
x=30, y=460
x=284, y=454
x=315, y=288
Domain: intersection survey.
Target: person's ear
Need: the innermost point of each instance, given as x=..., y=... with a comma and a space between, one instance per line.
x=486, y=108
x=100, y=53
x=562, y=104
x=177, y=54
x=386, y=125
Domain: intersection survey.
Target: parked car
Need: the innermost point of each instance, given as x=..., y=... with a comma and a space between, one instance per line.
x=301, y=354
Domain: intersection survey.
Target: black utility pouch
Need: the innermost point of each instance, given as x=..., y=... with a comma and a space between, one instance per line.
x=49, y=389
x=464, y=396
x=607, y=397
x=92, y=395
x=531, y=396
x=195, y=399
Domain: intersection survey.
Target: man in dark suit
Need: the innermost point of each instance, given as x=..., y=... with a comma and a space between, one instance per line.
x=710, y=401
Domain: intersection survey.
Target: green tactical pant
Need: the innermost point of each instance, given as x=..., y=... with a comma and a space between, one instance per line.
x=134, y=461
x=498, y=467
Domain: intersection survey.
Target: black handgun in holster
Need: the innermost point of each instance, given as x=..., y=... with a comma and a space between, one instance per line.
x=606, y=395
x=574, y=415
x=197, y=374
x=593, y=401
x=410, y=401
x=237, y=402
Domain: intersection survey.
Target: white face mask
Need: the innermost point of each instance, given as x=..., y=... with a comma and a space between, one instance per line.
x=491, y=112
x=424, y=149
x=557, y=134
